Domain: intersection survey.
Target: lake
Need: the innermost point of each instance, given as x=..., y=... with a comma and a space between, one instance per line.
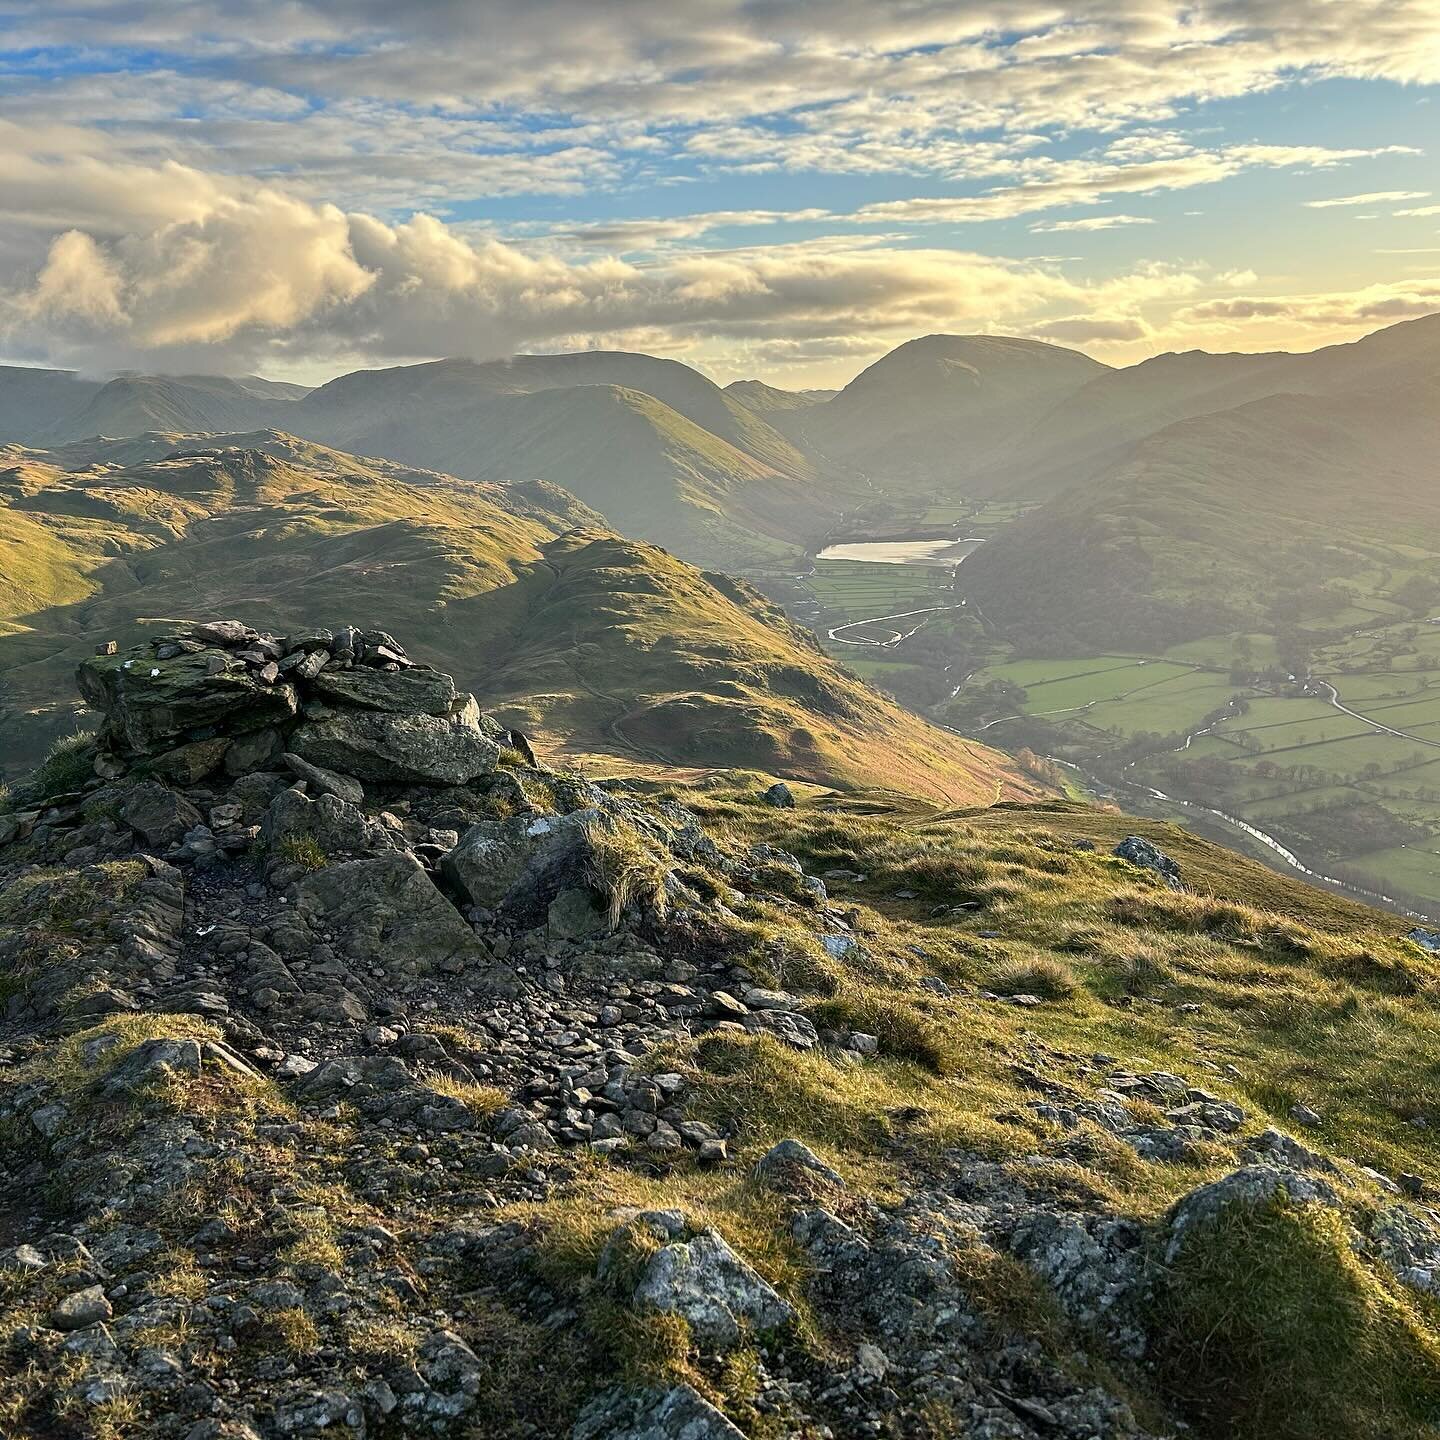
x=902, y=552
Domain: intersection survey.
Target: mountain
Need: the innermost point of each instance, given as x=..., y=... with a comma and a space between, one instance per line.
x=665, y=454
x=1211, y=525
x=937, y=411
x=34, y=401
x=188, y=404
x=237, y=524
x=1093, y=427
x=765, y=399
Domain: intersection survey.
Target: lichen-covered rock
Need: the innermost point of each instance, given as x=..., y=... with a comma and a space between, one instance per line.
x=679, y=1413
x=522, y=863
x=1252, y=1186
x=713, y=1290
x=1140, y=851
x=403, y=692
x=384, y=748
x=336, y=827
x=151, y=706
x=157, y=814
x=387, y=912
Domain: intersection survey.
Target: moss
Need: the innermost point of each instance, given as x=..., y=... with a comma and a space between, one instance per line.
x=1270, y=1327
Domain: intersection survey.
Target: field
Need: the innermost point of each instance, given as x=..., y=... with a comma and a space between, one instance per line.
x=1342, y=793
x=857, y=589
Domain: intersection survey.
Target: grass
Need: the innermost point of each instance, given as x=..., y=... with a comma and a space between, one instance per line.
x=1271, y=1328
x=625, y=869
x=68, y=765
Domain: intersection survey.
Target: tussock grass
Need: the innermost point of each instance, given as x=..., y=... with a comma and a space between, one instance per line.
x=67, y=766
x=1272, y=1328
x=625, y=869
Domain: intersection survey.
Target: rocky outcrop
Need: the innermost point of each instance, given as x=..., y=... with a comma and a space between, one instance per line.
x=220, y=694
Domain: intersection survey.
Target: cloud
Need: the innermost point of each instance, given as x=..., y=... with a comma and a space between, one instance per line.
x=1050, y=184
x=1373, y=197
x=1420, y=210
x=1368, y=307
x=1092, y=222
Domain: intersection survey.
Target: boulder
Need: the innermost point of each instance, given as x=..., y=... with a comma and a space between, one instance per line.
x=712, y=1289
x=780, y=796
x=388, y=912
x=520, y=864
x=678, y=1413
x=326, y=782
x=157, y=814
x=152, y=706
x=338, y=828
x=383, y=748
x=1139, y=851
x=403, y=692
x=1252, y=1186
x=189, y=764
x=789, y=1157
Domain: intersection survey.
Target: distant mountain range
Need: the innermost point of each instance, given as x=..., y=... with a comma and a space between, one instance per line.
x=1169, y=487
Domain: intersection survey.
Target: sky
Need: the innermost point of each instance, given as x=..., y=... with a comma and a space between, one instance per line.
x=774, y=188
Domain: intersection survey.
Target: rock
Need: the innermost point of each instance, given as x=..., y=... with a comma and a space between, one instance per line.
x=520, y=864
x=1139, y=851
x=574, y=914
x=712, y=1289
x=325, y=782
x=330, y=823
x=1252, y=1186
x=389, y=913
x=779, y=1165
x=402, y=692
x=154, y=1060
x=149, y=713
x=189, y=764
x=780, y=796
x=376, y=746
x=1425, y=939
x=653, y=1414
x=1303, y=1115
x=81, y=1309
x=157, y=814
x=257, y=750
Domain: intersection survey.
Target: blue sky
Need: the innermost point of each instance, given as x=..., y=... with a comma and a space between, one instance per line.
x=756, y=186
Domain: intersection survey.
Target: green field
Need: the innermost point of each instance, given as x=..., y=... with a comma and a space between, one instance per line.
x=857, y=589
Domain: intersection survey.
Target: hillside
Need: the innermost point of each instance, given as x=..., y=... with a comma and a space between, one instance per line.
x=34, y=401
x=237, y=523
x=1210, y=523
x=619, y=645
x=384, y=1081
x=936, y=412
x=1094, y=427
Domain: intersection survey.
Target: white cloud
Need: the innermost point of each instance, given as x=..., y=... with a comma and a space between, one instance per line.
x=1420, y=210
x=1092, y=222
x=1373, y=197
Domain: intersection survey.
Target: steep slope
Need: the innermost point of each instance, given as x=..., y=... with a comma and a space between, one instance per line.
x=495, y=1101
x=33, y=402
x=1094, y=427
x=234, y=528
x=613, y=639
x=934, y=413
x=237, y=524
x=1201, y=530
x=656, y=447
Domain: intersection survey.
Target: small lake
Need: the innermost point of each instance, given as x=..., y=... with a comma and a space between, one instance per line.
x=902, y=552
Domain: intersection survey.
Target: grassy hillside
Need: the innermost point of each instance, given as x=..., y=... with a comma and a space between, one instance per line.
x=629, y=650
x=1092, y=429
x=608, y=642
x=1262, y=581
